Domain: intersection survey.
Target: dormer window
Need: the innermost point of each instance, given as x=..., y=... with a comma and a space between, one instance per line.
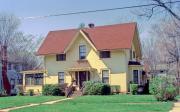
x=60, y=57
x=105, y=54
x=82, y=51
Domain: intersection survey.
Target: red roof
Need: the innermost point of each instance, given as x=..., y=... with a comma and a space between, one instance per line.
x=110, y=37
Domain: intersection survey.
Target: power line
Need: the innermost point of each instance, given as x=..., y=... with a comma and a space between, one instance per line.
x=93, y=11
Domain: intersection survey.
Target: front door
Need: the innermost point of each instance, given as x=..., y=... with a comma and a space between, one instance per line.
x=82, y=77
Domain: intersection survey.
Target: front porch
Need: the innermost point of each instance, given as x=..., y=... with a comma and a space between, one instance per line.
x=80, y=72
x=33, y=80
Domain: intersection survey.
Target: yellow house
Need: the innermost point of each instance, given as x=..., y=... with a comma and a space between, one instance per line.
x=109, y=54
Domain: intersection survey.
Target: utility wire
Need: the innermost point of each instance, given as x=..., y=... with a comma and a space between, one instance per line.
x=93, y=11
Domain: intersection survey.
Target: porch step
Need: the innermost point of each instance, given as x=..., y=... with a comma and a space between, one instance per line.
x=76, y=94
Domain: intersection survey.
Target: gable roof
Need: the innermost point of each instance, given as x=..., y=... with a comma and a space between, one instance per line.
x=109, y=37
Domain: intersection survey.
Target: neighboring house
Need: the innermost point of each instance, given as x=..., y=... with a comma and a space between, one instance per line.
x=159, y=70
x=13, y=69
x=1, y=81
x=109, y=54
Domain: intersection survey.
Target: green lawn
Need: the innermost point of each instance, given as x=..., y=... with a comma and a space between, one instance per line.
x=116, y=103
x=23, y=100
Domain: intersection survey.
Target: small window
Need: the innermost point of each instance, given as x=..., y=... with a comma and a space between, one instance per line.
x=9, y=66
x=105, y=54
x=34, y=79
x=105, y=76
x=29, y=79
x=82, y=52
x=20, y=79
x=61, y=77
x=1, y=84
x=12, y=81
x=17, y=67
x=60, y=57
x=135, y=76
x=38, y=79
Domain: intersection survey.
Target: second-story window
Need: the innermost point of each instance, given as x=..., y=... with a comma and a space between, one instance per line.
x=82, y=52
x=60, y=57
x=105, y=54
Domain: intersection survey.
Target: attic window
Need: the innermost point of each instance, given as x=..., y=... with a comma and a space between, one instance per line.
x=105, y=54
x=82, y=51
x=60, y=57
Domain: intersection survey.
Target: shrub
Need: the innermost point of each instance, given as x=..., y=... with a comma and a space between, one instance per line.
x=133, y=89
x=163, y=88
x=52, y=90
x=31, y=92
x=96, y=88
x=20, y=93
x=3, y=93
x=115, y=89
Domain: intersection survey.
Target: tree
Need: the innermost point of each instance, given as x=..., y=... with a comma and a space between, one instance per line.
x=168, y=34
x=8, y=27
x=150, y=53
x=21, y=48
x=161, y=6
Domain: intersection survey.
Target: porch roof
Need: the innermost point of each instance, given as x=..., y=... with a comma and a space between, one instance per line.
x=33, y=71
x=81, y=65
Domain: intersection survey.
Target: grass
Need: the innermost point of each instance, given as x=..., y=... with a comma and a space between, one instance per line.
x=13, y=101
x=178, y=97
x=116, y=103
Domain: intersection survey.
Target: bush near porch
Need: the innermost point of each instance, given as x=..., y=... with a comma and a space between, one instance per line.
x=53, y=90
x=96, y=88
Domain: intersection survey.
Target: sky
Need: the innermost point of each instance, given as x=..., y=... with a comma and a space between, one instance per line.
x=28, y=8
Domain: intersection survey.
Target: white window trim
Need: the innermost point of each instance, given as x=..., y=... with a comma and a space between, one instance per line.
x=138, y=75
x=102, y=74
x=85, y=51
x=59, y=76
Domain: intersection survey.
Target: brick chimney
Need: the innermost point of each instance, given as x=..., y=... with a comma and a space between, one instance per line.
x=91, y=25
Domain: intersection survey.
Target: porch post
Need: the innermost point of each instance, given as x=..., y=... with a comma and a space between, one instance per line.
x=24, y=82
x=139, y=77
x=86, y=75
x=78, y=78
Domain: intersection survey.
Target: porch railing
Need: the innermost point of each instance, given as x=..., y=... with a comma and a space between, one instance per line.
x=69, y=90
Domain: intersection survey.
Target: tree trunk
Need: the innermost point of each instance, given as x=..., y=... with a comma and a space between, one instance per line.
x=178, y=76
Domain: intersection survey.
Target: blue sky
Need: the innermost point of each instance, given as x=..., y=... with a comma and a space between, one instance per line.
x=26, y=8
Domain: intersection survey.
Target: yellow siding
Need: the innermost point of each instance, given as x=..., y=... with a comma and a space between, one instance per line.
x=37, y=89
x=117, y=64
x=51, y=79
x=120, y=80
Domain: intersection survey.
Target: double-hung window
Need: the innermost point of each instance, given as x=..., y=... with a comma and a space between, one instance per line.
x=60, y=57
x=82, y=52
x=135, y=76
x=105, y=76
x=61, y=77
x=105, y=54
x=38, y=79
